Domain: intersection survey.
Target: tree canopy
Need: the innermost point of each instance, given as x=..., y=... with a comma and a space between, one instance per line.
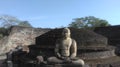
x=25, y=24
x=89, y=22
x=8, y=21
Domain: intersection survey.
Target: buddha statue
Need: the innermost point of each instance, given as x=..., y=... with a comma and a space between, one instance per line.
x=65, y=50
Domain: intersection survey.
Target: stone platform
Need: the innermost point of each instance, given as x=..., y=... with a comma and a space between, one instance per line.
x=62, y=65
x=106, y=62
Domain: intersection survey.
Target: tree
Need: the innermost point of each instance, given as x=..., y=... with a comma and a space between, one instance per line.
x=89, y=22
x=3, y=32
x=25, y=24
x=7, y=21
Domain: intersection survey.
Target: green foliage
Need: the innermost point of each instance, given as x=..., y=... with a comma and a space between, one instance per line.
x=89, y=22
x=25, y=24
x=1, y=36
x=7, y=21
x=3, y=32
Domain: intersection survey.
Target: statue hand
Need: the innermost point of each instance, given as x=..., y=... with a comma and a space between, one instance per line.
x=74, y=58
x=63, y=58
x=67, y=59
x=58, y=55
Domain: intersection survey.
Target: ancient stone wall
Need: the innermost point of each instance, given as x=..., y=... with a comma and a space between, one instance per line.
x=84, y=38
x=45, y=39
x=97, y=54
x=20, y=36
x=111, y=32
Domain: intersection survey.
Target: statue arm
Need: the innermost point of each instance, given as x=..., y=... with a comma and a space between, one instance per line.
x=73, y=49
x=57, y=50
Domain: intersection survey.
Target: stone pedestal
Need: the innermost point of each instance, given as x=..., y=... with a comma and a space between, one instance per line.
x=64, y=65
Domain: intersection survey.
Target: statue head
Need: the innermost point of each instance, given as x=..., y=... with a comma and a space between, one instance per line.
x=66, y=32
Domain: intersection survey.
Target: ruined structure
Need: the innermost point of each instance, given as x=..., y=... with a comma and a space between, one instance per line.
x=93, y=48
x=20, y=36
x=111, y=32
x=113, y=35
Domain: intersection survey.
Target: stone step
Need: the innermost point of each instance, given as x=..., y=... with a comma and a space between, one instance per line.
x=110, y=60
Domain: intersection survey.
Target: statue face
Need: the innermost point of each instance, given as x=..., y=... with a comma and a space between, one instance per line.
x=66, y=32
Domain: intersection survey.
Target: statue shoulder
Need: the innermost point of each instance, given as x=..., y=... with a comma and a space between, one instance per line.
x=73, y=42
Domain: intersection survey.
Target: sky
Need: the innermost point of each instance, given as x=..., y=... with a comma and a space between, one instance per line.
x=60, y=13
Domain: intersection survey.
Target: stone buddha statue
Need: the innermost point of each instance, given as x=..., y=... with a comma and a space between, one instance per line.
x=65, y=50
